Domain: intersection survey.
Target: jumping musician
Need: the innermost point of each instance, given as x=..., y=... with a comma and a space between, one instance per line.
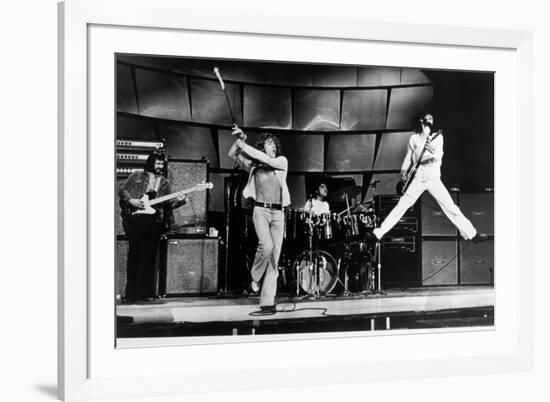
x=428, y=177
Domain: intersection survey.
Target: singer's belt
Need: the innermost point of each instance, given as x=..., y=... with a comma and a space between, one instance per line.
x=268, y=205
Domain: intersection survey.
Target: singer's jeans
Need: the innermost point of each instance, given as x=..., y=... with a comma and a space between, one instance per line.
x=269, y=225
x=432, y=183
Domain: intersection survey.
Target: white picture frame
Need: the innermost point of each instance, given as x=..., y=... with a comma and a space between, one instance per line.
x=83, y=342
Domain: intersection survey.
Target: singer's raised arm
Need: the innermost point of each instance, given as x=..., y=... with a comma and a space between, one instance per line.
x=235, y=154
x=279, y=162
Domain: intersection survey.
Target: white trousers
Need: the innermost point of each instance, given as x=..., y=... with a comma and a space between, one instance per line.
x=438, y=191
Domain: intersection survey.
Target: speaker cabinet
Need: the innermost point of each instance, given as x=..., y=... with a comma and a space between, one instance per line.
x=434, y=221
x=184, y=174
x=191, y=266
x=439, y=262
x=400, y=265
x=479, y=208
x=477, y=263
x=120, y=269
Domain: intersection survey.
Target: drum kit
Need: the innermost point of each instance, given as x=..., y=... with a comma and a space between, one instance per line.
x=335, y=247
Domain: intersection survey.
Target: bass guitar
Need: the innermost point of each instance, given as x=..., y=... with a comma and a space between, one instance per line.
x=403, y=185
x=148, y=203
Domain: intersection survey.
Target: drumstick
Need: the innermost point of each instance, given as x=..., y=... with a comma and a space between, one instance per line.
x=222, y=85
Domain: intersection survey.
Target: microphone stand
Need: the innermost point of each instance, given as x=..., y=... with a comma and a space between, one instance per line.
x=377, y=252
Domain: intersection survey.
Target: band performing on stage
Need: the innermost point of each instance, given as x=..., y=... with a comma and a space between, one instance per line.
x=353, y=234
x=336, y=213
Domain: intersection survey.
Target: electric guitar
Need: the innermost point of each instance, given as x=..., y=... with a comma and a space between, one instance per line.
x=403, y=185
x=148, y=204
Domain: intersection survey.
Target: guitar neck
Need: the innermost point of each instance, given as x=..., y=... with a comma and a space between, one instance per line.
x=419, y=161
x=168, y=197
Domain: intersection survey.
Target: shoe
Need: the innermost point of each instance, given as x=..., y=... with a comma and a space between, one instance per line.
x=374, y=235
x=254, y=286
x=479, y=238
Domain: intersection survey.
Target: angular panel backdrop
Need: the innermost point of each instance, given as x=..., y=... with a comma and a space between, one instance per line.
x=364, y=109
x=316, y=109
x=162, y=95
x=267, y=107
x=391, y=151
x=125, y=91
x=406, y=104
x=208, y=104
x=188, y=142
x=352, y=152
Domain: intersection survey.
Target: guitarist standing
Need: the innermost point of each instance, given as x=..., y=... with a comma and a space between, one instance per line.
x=427, y=177
x=144, y=230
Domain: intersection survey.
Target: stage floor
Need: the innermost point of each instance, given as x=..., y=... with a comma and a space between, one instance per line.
x=426, y=307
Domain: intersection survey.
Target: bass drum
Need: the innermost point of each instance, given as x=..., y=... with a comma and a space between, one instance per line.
x=317, y=272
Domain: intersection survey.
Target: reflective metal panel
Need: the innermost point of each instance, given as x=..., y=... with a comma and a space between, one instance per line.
x=392, y=150
x=289, y=74
x=413, y=76
x=334, y=76
x=378, y=76
x=364, y=109
x=135, y=128
x=254, y=72
x=304, y=152
x=162, y=95
x=125, y=95
x=209, y=104
x=297, y=190
x=267, y=107
x=316, y=109
x=188, y=142
x=406, y=104
x=350, y=152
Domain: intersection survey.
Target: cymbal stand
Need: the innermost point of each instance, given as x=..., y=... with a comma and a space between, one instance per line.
x=347, y=252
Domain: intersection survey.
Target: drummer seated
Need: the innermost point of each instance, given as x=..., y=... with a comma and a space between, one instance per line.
x=317, y=204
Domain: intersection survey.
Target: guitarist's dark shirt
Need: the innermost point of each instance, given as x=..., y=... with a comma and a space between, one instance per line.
x=135, y=187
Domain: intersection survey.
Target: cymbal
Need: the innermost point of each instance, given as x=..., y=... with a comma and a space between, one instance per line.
x=340, y=195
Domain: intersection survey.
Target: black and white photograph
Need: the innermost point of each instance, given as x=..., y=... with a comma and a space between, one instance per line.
x=266, y=197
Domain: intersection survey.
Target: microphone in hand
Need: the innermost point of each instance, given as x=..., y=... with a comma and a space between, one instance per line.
x=236, y=131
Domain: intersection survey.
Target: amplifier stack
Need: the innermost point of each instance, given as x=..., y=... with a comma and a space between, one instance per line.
x=399, y=253
x=446, y=258
x=425, y=249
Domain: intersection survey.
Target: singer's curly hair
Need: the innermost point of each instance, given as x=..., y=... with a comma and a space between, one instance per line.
x=266, y=137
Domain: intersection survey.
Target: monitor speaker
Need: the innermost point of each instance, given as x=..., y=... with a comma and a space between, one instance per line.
x=477, y=263
x=439, y=262
x=191, y=266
